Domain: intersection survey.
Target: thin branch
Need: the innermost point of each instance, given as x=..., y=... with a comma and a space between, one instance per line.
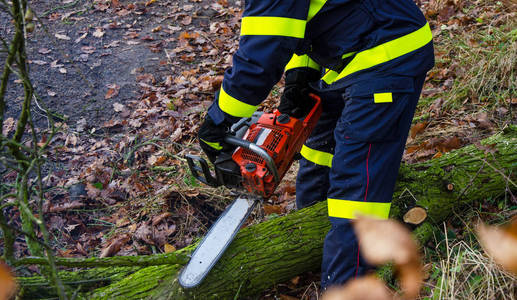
x=470, y=182
x=116, y=261
x=497, y=170
x=5, y=197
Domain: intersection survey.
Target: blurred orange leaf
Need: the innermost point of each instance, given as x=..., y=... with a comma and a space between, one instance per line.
x=364, y=288
x=8, y=285
x=500, y=244
x=383, y=241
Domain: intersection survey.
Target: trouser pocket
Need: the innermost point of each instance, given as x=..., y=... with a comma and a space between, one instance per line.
x=374, y=110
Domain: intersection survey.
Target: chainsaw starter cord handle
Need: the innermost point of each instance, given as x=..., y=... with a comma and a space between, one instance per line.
x=256, y=149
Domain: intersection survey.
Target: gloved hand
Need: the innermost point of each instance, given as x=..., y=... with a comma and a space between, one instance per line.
x=211, y=137
x=295, y=100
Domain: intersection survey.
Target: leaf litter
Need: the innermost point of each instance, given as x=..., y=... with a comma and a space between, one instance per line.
x=127, y=191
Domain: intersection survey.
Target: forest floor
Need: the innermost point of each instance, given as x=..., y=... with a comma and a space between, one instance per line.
x=128, y=82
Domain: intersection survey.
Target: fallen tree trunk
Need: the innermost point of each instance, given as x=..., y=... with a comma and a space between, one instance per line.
x=277, y=250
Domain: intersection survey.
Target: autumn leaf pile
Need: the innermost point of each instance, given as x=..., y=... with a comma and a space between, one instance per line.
x=125, y=188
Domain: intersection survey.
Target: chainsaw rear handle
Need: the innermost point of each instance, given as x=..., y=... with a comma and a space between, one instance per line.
x=256, y=149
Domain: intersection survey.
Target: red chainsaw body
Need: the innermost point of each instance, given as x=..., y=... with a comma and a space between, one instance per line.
x=282, y=137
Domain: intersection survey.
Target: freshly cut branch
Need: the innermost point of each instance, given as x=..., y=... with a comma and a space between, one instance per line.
x=278, y=250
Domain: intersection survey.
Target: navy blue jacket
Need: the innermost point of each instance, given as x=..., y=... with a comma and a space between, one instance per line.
x=345, y=39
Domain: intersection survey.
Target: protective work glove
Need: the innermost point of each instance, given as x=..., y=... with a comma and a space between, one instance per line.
x=211, y=137
x=295, y=100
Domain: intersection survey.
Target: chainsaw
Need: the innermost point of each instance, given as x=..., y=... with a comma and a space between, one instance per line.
x=266, y=145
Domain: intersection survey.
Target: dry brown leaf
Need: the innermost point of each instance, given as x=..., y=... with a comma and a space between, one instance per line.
x=168, y=248
x=273, y=209
x=295, y=280
x=44, y=51
x=484, y=121
x=98, y=33
x=145, y=233
x=118, y=107
x=216, y=82
x=186, y=20
x=157, y=219
x=412, y=149
x=8, y=126
x=383, y=241
x=437, y=155
x=500, y=244
x=187, y=36
x=62, y=36
x=418, y=128
x=364, y=288
x=8, y=285
x=115, y=246
x=112, y=91
x=448, y=144
x=287, y=297
x=66, y=206
x=122, y=222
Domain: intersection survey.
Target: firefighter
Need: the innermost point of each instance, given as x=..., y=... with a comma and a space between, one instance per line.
x=367, y=60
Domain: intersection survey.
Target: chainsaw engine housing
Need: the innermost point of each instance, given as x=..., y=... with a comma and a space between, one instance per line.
x=266, y=147
x=282, y=137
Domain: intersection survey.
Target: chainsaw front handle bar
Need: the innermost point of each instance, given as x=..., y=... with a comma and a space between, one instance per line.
x=255, y=149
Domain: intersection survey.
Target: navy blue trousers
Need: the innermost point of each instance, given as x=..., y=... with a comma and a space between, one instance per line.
x=352, y=160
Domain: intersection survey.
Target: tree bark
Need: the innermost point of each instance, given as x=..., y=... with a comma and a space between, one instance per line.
x=280, y=249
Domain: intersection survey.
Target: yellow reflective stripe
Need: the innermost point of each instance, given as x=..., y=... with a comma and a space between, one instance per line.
x=348, y=55
x=348, y=209
x=298, y=61
x=214, y=145
x=318, y=157
x=330, y=76
x=273, y=26
x=234, y=107
x=382, y=97
x=314, y=7
x=388, y=51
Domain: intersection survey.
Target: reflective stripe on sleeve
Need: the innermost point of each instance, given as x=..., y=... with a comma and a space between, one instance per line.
x=384, y=53
x=278, y=26
x=347, y=209
x=315, y=7
x=235, y=107
x=302, y=61
x=214, y=145
x=318, y=157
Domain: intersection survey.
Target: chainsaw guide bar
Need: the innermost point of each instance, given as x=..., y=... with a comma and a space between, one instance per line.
x=217, y=239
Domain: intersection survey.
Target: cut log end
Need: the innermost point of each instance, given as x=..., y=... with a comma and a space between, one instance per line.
x=415, y=216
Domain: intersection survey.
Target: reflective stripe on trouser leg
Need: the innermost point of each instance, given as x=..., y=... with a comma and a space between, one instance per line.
x=363, y=171
x=312, y=182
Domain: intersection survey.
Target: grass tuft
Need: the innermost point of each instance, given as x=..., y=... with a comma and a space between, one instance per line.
x=467, y=273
